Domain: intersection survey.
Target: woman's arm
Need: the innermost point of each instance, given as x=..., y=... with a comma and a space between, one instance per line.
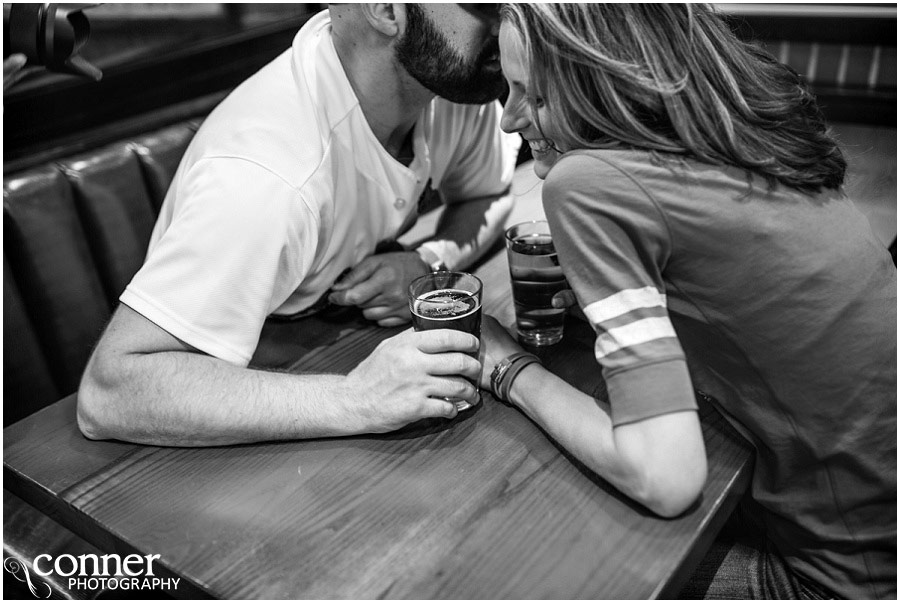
x=660, y=461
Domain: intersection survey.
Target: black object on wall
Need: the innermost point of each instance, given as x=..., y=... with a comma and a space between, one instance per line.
x=58, y=109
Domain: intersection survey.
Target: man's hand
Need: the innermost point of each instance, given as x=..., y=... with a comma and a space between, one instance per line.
x=378, y=286
x=403, y=380
x=496, y=344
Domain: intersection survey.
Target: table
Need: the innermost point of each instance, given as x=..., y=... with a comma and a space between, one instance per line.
x=485, y=506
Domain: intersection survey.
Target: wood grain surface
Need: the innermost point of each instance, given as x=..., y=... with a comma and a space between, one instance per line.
x=482, y=507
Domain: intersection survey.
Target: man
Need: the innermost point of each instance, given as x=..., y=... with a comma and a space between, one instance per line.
x=295, y=178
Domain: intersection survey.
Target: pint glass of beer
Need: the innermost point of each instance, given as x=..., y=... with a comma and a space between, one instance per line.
x=447, y=300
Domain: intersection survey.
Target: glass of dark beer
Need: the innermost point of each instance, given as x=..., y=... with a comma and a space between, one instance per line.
x=447, y=300
x=536, y=277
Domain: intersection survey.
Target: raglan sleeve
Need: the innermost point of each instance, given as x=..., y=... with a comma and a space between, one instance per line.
x=240, y=241
x=613, y=243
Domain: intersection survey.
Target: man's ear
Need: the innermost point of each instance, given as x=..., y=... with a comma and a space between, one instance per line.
x=387, y=19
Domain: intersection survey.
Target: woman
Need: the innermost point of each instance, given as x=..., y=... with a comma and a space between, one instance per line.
x=696, y=204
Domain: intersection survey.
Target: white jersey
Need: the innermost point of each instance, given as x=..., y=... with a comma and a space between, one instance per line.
x=285, y=186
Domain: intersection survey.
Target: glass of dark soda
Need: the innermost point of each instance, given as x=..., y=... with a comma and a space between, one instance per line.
x=447, y=300
x=536, y=277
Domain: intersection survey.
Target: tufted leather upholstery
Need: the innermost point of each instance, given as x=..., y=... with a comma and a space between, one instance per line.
x=75, y=232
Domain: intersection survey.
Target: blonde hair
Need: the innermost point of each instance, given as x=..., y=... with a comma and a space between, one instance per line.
x=673, y=79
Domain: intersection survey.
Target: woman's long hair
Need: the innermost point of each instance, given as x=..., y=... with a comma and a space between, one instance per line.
x=673, y=79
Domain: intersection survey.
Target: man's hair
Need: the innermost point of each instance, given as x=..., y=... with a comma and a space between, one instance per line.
x=673, y=79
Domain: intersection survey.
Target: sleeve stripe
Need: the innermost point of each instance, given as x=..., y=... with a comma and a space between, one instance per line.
x=624, y=302
x=632, y=334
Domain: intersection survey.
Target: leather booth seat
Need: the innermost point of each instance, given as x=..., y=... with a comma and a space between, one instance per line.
x=75, y=232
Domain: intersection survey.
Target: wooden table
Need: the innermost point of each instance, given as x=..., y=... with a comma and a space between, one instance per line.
x=484, y=506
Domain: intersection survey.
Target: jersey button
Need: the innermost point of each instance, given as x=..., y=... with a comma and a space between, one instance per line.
x=399, y=203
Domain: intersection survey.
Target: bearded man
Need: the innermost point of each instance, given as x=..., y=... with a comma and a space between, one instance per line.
x=278, y=207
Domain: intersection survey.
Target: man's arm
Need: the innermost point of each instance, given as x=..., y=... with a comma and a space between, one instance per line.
x=143, y=385
x=475, y=189
x=464, y=232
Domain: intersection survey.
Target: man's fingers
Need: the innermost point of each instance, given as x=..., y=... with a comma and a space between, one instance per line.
x=359, y=294
x=435, y=407
x=455, y=364
x=361, y=272
x=376, y=313
x=391, y=321
x=447, y=387
x=446, y=340
x=386, y=316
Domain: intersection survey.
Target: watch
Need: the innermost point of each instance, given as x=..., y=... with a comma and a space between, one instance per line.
x=431, y=259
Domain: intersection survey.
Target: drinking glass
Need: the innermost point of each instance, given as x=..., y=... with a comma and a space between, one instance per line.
x=536, y=277
x=448, y=300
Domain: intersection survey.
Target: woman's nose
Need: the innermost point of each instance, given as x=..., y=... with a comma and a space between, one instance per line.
x=513, y=119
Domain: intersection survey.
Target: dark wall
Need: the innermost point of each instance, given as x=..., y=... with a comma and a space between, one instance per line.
x=52, y=115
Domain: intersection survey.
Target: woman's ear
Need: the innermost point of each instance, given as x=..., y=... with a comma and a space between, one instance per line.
x=387, y=19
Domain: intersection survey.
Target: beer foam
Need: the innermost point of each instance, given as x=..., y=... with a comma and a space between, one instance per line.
x=445, y=304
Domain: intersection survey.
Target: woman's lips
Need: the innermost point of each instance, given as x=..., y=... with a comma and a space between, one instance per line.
x=540, y=146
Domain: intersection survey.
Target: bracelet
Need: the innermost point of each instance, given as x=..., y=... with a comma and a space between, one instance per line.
x=506, y=371
x=513, y=372
x=500, y=370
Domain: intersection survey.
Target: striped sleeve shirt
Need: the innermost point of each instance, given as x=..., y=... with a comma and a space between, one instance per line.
x=613, y=243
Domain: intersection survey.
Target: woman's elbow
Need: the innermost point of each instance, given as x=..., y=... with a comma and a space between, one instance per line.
x=669, y=494
x=663, y=459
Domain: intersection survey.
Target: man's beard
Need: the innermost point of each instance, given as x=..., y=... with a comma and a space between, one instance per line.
x=426, y=54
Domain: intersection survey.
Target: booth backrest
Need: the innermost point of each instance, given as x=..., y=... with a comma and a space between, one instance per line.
x=75, y=232
x=846, y=52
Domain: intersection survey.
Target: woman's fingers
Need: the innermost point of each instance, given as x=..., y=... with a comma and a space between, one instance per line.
x=564, y=299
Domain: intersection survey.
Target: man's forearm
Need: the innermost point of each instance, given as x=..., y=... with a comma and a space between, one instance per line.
x=203, y=401
x=144, y=385
x=466, y=230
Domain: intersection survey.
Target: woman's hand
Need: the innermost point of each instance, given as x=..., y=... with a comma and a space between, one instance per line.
x=566, y=299
x=496, y=344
